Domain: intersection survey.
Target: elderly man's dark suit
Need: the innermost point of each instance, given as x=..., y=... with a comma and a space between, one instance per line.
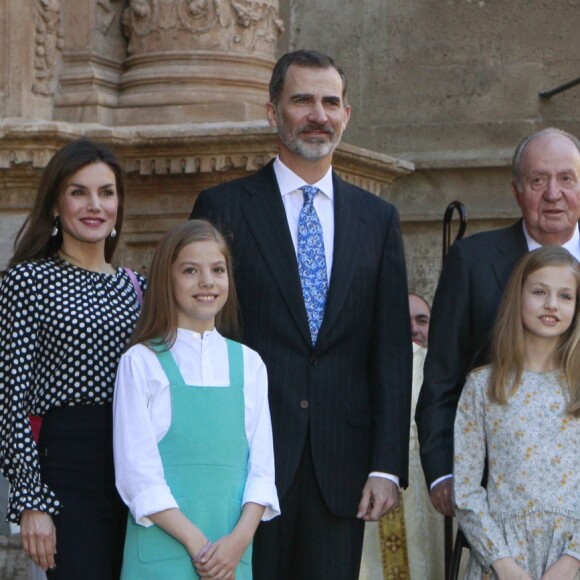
x=350, y=393
x=464, y=310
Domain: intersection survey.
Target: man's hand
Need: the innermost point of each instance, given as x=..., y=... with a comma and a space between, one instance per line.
x=38, y=536
x=442, y=497
x=379, y=497
x=564, y=568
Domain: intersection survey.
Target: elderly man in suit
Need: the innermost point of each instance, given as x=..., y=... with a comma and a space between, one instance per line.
x=546, y=183
x=320, y=274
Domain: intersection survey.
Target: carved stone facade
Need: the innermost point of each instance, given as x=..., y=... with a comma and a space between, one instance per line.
x=239, y=26
x=176, y=87
x=164, y=61
x=451, y=86
x=197, y=58
x=49, y=42
x=165, y=167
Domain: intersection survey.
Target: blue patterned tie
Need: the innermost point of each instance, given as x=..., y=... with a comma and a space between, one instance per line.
x=312, y=261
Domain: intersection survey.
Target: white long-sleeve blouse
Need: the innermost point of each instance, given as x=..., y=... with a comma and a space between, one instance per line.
x=142, y=416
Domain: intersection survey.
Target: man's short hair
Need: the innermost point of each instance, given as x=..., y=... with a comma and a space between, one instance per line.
x=304, y=58
x=422, y=299
x=523, y=145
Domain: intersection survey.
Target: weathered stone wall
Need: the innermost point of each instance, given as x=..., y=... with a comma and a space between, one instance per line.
x=177, y=88
x=451, y=85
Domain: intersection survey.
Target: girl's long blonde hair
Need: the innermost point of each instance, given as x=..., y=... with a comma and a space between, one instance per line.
x=158, y=320
x=507, y=346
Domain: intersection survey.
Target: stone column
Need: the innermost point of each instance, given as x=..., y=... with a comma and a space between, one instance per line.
x=203, y=60
x=92, y=60
x=31, y=38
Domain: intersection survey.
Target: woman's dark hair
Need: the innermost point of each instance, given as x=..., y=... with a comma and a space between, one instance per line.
x=34, y=239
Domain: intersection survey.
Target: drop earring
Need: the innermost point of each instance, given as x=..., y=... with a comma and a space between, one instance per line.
x=113, y=233
x=55, y=228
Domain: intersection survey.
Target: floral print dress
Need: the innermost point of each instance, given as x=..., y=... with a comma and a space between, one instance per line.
x=530, y=509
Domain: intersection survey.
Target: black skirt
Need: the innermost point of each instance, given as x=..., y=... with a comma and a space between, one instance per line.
x=76, y=458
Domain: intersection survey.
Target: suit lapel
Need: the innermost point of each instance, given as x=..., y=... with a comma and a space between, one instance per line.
x=511, y=248
x=264, y=212
x=348, y=230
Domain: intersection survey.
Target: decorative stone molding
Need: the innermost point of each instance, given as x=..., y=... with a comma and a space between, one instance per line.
x=48, y=43
x=243, y=26
x=106, y=16
x=165, y=167
x=203, y=60
x=186, y=149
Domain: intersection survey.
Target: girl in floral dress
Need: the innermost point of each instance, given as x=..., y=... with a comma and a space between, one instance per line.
x=522, y=414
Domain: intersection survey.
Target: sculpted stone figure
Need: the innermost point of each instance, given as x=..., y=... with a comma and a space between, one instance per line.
x=249, y=26
x=49, y=40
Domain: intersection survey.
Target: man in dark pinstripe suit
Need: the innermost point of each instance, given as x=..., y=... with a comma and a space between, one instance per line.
x=341, y=405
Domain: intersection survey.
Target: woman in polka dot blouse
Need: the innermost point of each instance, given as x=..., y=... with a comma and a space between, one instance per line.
x=66, y=315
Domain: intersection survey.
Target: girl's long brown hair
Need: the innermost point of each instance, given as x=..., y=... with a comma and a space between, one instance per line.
x=158, y=321
x=507, y=347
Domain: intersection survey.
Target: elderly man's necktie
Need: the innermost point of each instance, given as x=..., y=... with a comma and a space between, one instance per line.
x=312, y=261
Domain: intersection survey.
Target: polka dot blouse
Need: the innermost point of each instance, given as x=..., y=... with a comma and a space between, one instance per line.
x=62, y=332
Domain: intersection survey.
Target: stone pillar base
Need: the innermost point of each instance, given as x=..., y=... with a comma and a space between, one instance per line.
x=167, y=87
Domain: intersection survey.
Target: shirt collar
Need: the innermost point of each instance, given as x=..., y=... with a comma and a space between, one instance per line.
x=572, y=245
x=193, y=335
x=288, y=181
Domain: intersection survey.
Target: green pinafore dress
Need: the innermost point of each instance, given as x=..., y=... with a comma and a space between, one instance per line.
x=205, y=460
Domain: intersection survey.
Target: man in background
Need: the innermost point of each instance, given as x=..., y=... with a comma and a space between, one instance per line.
x=420, y=313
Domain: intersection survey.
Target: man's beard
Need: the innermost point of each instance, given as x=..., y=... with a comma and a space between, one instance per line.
x=313, y=149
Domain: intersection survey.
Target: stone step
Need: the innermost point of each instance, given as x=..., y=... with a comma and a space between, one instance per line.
x=13, y=562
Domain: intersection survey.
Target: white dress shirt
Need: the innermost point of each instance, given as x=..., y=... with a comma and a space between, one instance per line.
x=293, y=199
x=572, y=245
x=142, y=416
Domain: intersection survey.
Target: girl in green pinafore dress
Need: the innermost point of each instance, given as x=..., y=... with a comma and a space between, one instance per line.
x=193, y=445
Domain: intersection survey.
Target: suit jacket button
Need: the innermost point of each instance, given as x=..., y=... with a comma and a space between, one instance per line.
x=313, y=360
x=304, y=404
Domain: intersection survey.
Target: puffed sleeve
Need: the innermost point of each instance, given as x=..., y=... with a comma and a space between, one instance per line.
x=260, y=484
x=20, y=339
x=139, y=474
x=472, y=509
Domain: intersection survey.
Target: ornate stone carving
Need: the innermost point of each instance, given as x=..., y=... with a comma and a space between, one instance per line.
x=106, y=15
x=48, y=43
x=192, y=164
x=203, y=60
x=250, y=26
x=165, y=167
